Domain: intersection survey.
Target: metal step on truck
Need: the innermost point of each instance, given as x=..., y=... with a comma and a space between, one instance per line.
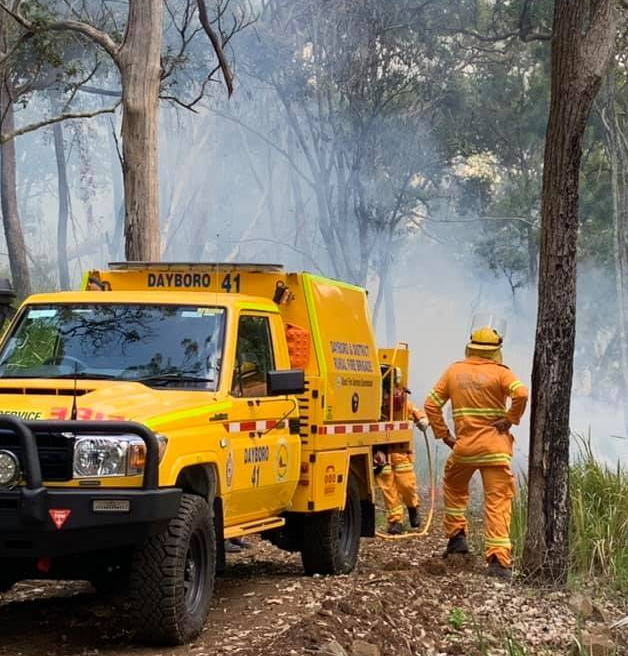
x=164, y=408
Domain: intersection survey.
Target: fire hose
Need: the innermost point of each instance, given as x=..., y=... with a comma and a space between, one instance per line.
x=430, y=515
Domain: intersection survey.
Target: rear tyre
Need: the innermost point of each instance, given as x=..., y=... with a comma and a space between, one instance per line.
x=331, y=539
x=172, y=577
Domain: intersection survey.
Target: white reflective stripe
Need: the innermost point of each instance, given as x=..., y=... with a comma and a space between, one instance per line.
x=375, y=427
x=249, y=426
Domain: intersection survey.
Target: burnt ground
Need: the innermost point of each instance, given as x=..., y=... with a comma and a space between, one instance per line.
x=403, y=598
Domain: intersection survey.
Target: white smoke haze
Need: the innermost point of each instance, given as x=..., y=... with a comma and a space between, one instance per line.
x=435, y=303
x=227, y=194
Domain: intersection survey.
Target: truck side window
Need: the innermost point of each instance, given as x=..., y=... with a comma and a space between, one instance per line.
x=254, y=357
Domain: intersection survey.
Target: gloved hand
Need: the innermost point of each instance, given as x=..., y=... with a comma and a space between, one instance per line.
x=450, y=440
x=422, y=423
x=379, y=459
x=502, y=425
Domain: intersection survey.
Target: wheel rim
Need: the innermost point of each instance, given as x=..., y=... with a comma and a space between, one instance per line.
x=346, y=529
x=195, y=571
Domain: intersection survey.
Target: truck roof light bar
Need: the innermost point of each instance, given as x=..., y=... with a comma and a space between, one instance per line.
x=249, y=267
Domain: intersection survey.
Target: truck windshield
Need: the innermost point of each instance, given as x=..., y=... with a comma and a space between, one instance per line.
x=160, y=345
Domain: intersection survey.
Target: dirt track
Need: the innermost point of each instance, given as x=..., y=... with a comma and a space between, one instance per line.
x=400, y=598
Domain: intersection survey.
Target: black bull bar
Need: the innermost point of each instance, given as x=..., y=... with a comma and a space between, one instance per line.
x=33, y=502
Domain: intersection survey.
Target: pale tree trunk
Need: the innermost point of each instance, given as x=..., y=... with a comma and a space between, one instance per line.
x=64, y=207
x=617, y=147
x=14, y=236
x=582, y=46
x=140, y=70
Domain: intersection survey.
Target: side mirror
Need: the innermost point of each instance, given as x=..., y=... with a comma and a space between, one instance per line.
x=288, y=381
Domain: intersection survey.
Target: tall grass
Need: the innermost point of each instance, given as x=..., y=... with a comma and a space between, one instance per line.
x=599, y=520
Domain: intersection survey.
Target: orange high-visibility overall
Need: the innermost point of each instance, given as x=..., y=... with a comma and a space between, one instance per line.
x=397, y=478
x=478, y=389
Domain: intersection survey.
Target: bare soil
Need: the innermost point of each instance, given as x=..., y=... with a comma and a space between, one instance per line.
x=403, y=598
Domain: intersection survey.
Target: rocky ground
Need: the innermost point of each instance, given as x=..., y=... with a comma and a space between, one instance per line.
x=402, y=599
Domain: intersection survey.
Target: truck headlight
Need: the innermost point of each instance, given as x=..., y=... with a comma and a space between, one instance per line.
x=98, y=456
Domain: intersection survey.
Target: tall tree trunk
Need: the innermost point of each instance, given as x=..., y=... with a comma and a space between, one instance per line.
x=64, y=207
x=582, y=45
x=14, y=236
x=617, y=147
x=140, y=70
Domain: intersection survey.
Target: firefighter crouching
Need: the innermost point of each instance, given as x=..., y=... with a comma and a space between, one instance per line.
x=394, y=466
x=478, y=388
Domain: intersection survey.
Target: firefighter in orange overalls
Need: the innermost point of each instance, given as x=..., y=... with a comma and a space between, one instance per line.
x=394, y=467
x=478, y=388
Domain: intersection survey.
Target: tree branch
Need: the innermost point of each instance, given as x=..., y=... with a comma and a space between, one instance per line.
x=216, y=44
x=97, y=91
x=268, y=142
x=94, y=34
x=31, y=127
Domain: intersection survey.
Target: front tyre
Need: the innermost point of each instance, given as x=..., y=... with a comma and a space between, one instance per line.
x=331, y=539
x=172, y=577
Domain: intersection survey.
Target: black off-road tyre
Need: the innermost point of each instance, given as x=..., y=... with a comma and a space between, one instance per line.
x=172, y=577
x=331, y=539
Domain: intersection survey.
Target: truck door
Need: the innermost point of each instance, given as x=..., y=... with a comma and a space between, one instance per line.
x=265, y=453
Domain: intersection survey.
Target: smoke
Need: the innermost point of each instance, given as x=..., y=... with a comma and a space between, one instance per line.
x=436, y=295
x=236, y=185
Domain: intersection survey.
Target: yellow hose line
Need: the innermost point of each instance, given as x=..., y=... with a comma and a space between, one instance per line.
x=430, y=515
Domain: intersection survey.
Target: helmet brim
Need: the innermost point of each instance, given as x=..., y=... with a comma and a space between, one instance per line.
x=483, y=347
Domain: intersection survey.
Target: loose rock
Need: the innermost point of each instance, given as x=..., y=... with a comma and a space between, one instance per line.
x=361, y=648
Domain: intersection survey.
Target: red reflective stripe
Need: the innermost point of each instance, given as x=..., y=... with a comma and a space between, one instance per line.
x=247, y=426
x=343, y=429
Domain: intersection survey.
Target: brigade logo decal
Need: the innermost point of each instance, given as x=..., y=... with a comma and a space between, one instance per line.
x=229, y=469
x=283, y=458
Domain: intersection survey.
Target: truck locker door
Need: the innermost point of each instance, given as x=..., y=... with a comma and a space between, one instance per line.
x=265, y=453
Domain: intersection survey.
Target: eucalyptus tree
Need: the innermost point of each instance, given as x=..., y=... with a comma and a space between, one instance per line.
x=583, y=45
x=130, y=34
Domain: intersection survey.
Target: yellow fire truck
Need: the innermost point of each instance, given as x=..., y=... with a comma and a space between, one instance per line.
x=165, y=408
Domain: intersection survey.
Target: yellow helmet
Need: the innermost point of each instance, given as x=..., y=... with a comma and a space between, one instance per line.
x=485, y=339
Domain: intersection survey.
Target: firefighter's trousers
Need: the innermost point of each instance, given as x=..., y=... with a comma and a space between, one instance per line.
x=397, y=482
x=499, y=490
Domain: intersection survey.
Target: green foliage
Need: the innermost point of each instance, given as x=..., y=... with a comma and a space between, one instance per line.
x=457, y=618
x=599, y=521
x=514, y=647
x=519, y=520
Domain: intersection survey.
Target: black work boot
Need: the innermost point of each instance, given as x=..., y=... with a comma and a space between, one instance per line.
x=395, y=528
x=457, y=545
x=496, y=569
x=415, y=517
x=231, y=547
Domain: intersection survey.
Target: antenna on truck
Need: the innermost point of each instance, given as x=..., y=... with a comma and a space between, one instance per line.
x=74, y=411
